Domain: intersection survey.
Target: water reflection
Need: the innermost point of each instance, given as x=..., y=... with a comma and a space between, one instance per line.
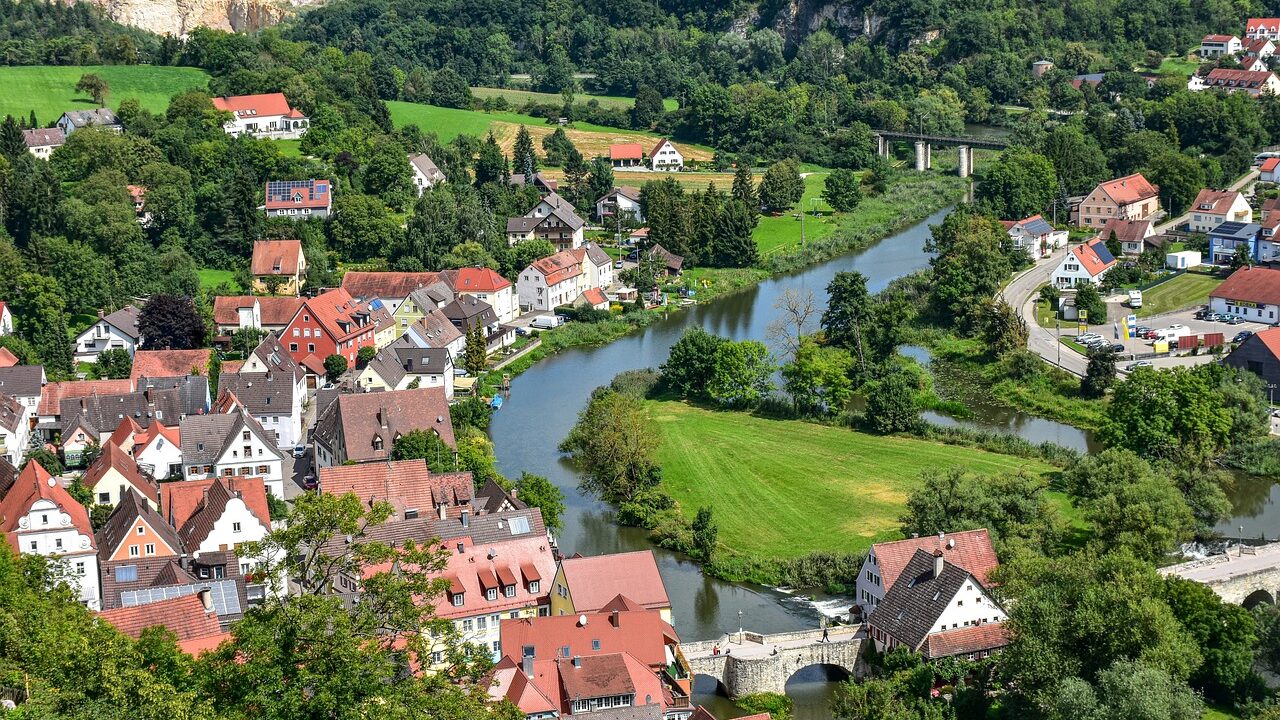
x=1256, y=504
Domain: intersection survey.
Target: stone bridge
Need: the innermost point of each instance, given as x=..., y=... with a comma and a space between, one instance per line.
x=750, y=662
x=1243, y=575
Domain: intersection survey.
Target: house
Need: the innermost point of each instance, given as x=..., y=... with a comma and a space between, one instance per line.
x=156, y=448
x=593, y=298
x=1128, y=198
x=553, y=219
x=425, y=172
x=193, y=620
x=1131, y=234
x=970, y=550
x=1268, y=28
x=6, y=322
x=486, y=285
x=15, y=430
x=551, y=282
x=117, y=331
x=1258, y=48
x=626, y=155
x=334, y=323
x=231, y=445
x=298, y=199
x=1227, y=237
x=1252, y=82
x=135, y=547
x=596, y=265
x=492, y=498
x=1089, y=261
x=1090, y=79
x=435, y=330
x=1270, y=208
x=1035, y=236
x=544, y=184
x=420, y=302
x=1253, y=64
x=389, y=288
x=665, y=157
x=155, y=364
x=1213, y=46
x=1269, y=170
x=467, y=312
x=411, y=489
x=40, y=517
x=88, y=419
x=41, y=142
x=274, y=399
x=609, y=687
x=217, y=516
x=589, y=584
x=278, y=267
x=1251, y=292
x=402, y=364
x=49, y=411
x=113, y=472
x=939, y=610
x=669, y=263
x=24, y=383
x=263, y=116
x=1214, y=207
x=101, y=118
x=1259, y=354
x=362, y=427
x=232, y=313
x=621, y=205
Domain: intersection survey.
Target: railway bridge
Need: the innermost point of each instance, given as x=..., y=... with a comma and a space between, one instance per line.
x=924, y=147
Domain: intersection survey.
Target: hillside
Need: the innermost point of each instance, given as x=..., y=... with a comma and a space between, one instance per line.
x=50, y=91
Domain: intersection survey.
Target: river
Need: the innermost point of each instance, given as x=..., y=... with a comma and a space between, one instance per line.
x=545, y=400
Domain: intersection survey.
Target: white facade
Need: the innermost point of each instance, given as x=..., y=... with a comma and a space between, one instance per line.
x=237, y=525
x=1206, y=219
x=6, y=320
x=101, y=336
x=1214, y=46
x=1037, y=246
x=47, y=530
x=251, y=457
x=503, y=302
x=1072, y=269
x=870, y=589
x=14, y=443
x=666, y=157
x=615, y=204
x=161, y=458
x=1259, y=312
x=598, y=276
x=970, y=606
x=536, y=295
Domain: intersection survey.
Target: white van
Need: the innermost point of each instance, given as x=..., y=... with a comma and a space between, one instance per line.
x=1135, y=298
x=547, y=322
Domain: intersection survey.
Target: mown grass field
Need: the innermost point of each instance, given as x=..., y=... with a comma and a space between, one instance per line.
x=212, y=277
x=1186, y=290
x=776, y=232
x=50, y=91
x=591, y=140
x=520, y=97
x=1177, y=66
x=796, y=487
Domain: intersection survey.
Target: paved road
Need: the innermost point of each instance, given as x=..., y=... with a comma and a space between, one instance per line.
x=1021, y=294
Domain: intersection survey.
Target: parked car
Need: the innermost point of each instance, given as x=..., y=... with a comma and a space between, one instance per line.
x=1202, y=313
x=617, y=264
x=1117, y=347
x=546, y=322
x=1234, y=320
x=1135, y=365
x=522, y=331
x=1242, y=336
x=309, y=482
x=1086, y=337
x=1141, y=331
x=299, y=450
x=1214, y=317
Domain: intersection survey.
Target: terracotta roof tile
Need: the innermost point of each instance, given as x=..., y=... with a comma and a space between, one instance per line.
x=276, y=257
x=113, y=457
x=1128, y=189
x=1094, y=257
x=557, y=268
x=1251, y=284
x=52, y=394
x=122, y=521
x=962, y=641
x=275, y=311
x=184, y=616
x=35, y=483
x=970, y=550
x=7, y=358
x=363, y=417
x=283, y=194
x=626, y=151
x=642, y=633
x=595, y=581
x=481, y=280
x=386, y=285
x=169, y=363
x=253, y=105
x=1216, y=202
x=181, y=501
x=406, y=484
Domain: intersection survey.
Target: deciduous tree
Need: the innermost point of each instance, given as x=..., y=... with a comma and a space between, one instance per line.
x=782, y=187
x=170, y=322
x=537, y=491
x=843, y=190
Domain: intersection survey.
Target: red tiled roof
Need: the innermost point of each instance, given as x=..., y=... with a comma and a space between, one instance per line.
x=123, y=435
x=609, y=675
x=1270, y=338
x=370, y=285
x=1255, y=46
x=1216, y=202
x=253, y=105
x=52, y=394
x=114, y=458
x=184, y=616
x=180, y=500
x=483, y=280
x=970, y=550
x=1269, y=165
x=559, y=267
x=1262, y=24
x=276, y=257
x=595, y=296
x=510, y=682
x=169, y=363
x=1259, y=285
x=595, y=581
x=274, y=310
x=642, y=633
x=1089, y=258
x=657, y=147
x=1237, y=78
x=35, y=483
x=283, y=194
x=7, y=358
x=474, y=566
x=1218, y=38
x=337, y=307
x=137, y=192
x=1128, y=189
x=406, y=484
x=963, y=641
x=626, y=151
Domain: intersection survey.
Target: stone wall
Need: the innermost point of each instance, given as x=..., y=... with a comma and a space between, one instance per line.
x=744, y=674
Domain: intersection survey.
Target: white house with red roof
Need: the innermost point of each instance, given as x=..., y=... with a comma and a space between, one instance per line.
x=298, y=199
x=590, y=584
x=1258, y=48
x=264, y=116
x=551, y=281
x=1035, y=236
x=970, y=550
x=1213, y=46
x=1214, y=207
x=1269, y=171
x=1089, y=261
x=488, y=286
x=1131, y=234
x=1130, y=197
x=664, y=157
x=1268, y=28
x=41, y=518
x=1251, y=292
x=626, y=155
x=1253, y=82
x=217, y=515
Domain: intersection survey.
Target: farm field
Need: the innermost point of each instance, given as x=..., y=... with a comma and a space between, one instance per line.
x=804, y=487
x=520, y=97
x=50, y=91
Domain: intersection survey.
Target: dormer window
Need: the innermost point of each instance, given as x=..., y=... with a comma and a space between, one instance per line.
x=458, y=599
x=509, y=591
x=377, y=442
x=491, y=594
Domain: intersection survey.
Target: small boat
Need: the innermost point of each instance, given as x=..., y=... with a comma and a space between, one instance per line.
x=496, y=402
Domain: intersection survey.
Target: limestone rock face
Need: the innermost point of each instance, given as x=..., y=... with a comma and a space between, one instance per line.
x=179, y=17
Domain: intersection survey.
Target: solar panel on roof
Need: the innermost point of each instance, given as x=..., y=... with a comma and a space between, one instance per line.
x=226, y=600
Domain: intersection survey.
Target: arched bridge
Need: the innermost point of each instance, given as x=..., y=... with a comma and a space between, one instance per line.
x=750, y=662
x=1242, y=575
x=925, y=143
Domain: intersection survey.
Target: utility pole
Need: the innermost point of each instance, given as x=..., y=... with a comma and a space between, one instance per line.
x=1057, y=323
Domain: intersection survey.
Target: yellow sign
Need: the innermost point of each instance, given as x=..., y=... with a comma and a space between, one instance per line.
x=1160, y=346
x=1084, y=323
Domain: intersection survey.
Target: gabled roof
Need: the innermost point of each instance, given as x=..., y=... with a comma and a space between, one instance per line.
x=477, y=280
x=275, y=311
x=1094, y=257
x=1251, y=284
x=539, y=180
x=968, y=549
x=100, y=414
x=1125, y=230
x=1128, y=189
x=261, y=393
x=509, y=681
x=1236, y=230
x=672, y=260
x=643, y=633
x=8, y=476
x=276, y=257
x=193, y=506
x=186, y=616
x=125, y=320
x=425, y=165
x=626, y=191
x=594, y=296
x=591, y=251
x=120, y=524
x=468, y=310
x=22, y=380
x=965, y=640
x=7, y=358
x=557, y=268
x=437, y=294
x=342, y=316
x=35, y=483
x=206, y=437
x=402, y=357
x=435, y=329
x=626, y=151
x=271, y=357
x=1269, y=339
x=357, y=419
x=564, y=211
x=245, y=106
x=912, y=606
x=97, y=116
x=595, y=581
x=406, y=484
x=522, y=224
x=491, y=498
x=12, y=413
x=114, y=458
x=1257, y=25
x=1219, y=38
x=1256, y=46
x=1214, y=202
x=298, y=194
x=658, y=147
x=385, y=285
x=1270, y=165
x=1248, y=79
x=44, y=137
x=1034, y=225
x=169, y=363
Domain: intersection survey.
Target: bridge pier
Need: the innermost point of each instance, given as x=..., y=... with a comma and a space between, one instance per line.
x=966, y=161
x=882, y=146
x=763, y=663
x=922, y=156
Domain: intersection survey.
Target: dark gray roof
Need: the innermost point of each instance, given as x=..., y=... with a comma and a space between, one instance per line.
x=262, y=393
x=271, y=353
x=522, y=224
x=97, y=116
x=22, y=380
x=1039, y=226
x=402, y=358
x=103, y=413
x=125, y=320
x=911, y=608
x=8, y=476
x=467, y=310
x=133, y=574
x=205, y=437
x=11, y=415
x=493, y=499
x=191, y=392
x=1236, y=230
x=564, y=210
x=482, y=529
x=436, y=329
x=597, y=256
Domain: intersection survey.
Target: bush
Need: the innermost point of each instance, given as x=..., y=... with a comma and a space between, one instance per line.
x=776, y=704
x=640, y=383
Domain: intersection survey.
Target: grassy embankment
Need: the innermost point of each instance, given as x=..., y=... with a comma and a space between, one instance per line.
x=520, y=97
x=1187, y=290
x=50, y=91
x=798, y=487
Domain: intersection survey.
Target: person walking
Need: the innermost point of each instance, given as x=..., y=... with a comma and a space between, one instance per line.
x=825, y=639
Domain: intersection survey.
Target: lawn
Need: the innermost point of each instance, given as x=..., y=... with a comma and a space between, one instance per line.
x=50, y=91
x=1177, y=66
x=520, y=97
x=781, y=231
x=796, y=487
x=212, y=278
x=1185, y=291
x=289, y=148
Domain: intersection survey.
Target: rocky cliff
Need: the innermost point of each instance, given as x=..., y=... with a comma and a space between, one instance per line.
x=178, y=17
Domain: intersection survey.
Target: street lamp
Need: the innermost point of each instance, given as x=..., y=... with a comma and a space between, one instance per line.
x=740, y=634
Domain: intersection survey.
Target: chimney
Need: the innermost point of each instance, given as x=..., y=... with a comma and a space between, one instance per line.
x=441, y=510
x=466, y=518
x=526, y=665
x=101, y=314
x=937, y=563
x=614, y=618
x=206, y=599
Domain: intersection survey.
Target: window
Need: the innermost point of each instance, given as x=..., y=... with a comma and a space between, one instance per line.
x=126, y=573
x=311, y=347
x=142, y=530
x=411, y=514
x=57, y=542
x=534, y=586
x=293, y=347
x=133, y=551
x=33, y=545
x=509, y=591
x=466, y=626
x=104, y=498
x=491, y=594
x=228, y=472
x=482, y=622
x=514, y=614
x=595, y=645
x=458, y=599
x=235, y=527
x=377, y=443
x=296, y=333
x=246, y=470
x=44, y=519
x=149, y=549
x=80, y=568
x=244, y=435
x=263, y=469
